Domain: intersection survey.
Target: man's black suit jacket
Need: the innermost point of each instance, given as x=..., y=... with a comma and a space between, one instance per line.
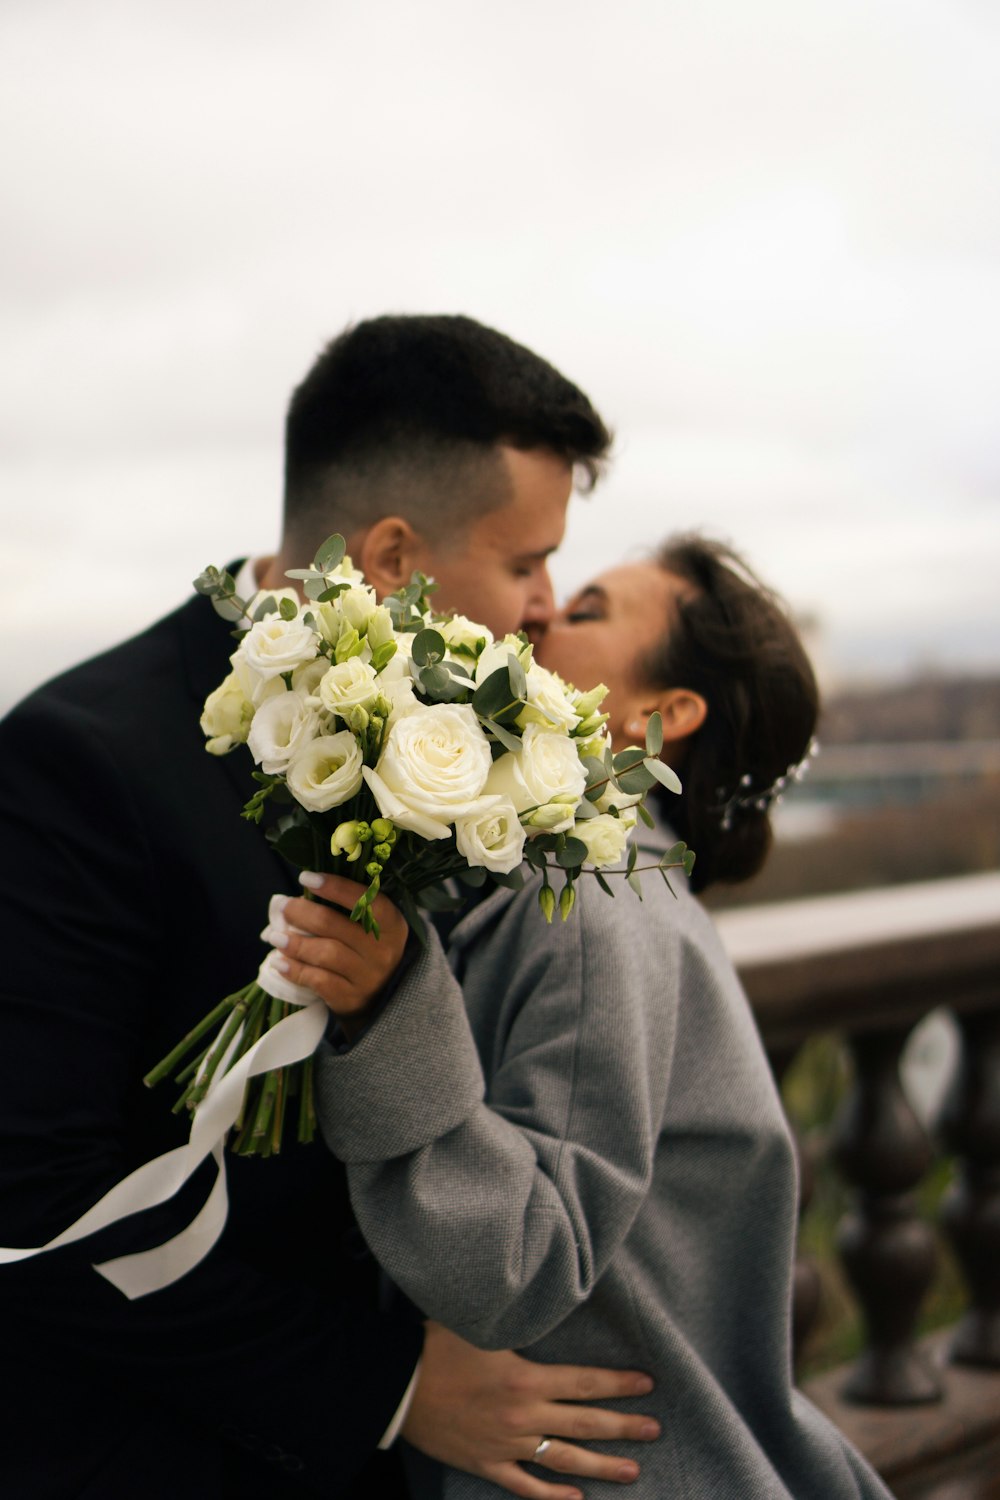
x=131, y=898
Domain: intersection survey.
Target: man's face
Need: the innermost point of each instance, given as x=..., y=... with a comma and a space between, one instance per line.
x=496, y=572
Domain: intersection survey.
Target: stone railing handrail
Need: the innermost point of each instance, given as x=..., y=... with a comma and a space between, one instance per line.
x=858, y=960
x=870, y=965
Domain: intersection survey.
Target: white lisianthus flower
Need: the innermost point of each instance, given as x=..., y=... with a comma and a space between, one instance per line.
x=348, y=684
x=546, y=770
x=611, y=798
x=306, y=679
x=432, y=768
x=398, y=693
x=227, y=715
x=398, y=665
x=326, y=772
x=492, y=836
x=380, y=631
x=605, y=838
x=495, y=656
x=464, y=636
x=280, y=728
x=548, y=701
x=357, y=605
x=273, y=646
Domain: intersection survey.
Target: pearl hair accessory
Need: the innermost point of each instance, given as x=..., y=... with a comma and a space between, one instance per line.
x=764, y=798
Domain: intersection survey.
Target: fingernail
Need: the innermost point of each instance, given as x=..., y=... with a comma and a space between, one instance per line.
x=649, y=1430
x=627, y=1472
x=310, y=879
x=275, y=937
x=281, y=964
x=643, y=1385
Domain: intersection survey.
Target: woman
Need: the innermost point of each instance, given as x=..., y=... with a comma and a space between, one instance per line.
x=567, y=1140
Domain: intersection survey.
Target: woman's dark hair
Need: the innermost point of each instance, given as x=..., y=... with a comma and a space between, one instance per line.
x=731, y=640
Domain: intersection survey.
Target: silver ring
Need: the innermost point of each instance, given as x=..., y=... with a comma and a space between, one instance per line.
x=542, y=1449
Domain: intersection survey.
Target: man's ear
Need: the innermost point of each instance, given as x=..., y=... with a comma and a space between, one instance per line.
x=683, y=713
x=388, y=553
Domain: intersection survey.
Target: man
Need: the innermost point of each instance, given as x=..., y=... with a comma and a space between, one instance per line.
x=131, y=897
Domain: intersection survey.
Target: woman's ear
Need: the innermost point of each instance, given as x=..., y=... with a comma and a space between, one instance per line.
x=683, y=713
x=388, y=553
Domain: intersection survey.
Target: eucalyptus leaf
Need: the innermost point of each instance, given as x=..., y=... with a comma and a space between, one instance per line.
x=638, y=780
x=572, y=854
x=332, y=592
x=663, y=774
x=674, y=854
x=428, y=647
x=633, y=854
x=314, y=588
x=473, y=875
x=266, y=607
x=330, y=554
x=586, y=809
x=516, y=677
x=512, y=880
x=300, y=573
x=288, y=609
x=654, y=734
x=635, y=883
x=645, y=814
x=605, y=887
x=688, y=862
x=493, y=697
x=509, y=741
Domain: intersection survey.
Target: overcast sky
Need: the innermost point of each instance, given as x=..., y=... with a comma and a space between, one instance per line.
x=763, y=237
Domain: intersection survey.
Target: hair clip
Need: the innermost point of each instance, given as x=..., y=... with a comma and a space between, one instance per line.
x=762, y=798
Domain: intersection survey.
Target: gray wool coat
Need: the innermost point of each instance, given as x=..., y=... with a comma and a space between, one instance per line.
x=566, y=1140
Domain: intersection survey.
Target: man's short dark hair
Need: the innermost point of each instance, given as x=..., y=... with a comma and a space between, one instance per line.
x=402, y=415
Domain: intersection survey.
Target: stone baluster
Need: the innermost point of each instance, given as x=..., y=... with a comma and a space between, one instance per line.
x=888, y=1252
x=806, y=1287
x=970, y=1126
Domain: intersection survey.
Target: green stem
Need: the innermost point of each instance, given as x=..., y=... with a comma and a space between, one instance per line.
x=165, y=1067
x=262, y=1118
x=199, y=1088
x=307, y=1108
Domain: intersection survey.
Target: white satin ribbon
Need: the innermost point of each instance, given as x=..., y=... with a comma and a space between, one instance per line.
x=293, y=1040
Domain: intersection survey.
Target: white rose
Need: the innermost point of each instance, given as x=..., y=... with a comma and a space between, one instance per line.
x=227, y=715
x=492, y=837
x=274, y=646
x=464, y=635
x=546, y=770
x=548, y=701
x=432, y=768
x=605, y=838
x=348, y=684
x=326, y=772
x=280, y=728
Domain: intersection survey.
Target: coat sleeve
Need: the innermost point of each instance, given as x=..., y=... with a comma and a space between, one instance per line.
x=234, y=1349
x=497, y=1204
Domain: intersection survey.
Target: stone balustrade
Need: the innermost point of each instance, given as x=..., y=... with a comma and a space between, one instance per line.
x=870, y=966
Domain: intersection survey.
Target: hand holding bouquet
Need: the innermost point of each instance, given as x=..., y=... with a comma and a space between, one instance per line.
x=409, y=749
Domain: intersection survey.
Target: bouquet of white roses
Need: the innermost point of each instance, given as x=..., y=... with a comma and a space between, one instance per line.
x=408, y=748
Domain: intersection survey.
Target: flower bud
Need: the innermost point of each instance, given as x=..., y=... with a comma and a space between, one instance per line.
x=587, y=702
x=567, y=900
x=383, y=830
x=349, y=644
x=373, y=870
x=550, y=817
x=348, y=838
x=547, y=901
x=382, y=852
x=356, y=719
